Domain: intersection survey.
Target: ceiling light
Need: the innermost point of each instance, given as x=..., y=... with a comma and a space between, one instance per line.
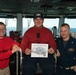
x=35, y=0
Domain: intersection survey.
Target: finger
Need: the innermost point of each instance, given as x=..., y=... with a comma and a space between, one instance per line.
x=74, y=69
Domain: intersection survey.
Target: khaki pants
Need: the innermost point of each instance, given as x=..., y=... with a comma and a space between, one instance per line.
x=5, y=71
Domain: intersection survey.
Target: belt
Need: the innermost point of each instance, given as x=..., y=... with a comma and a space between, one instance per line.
x=67, y=68
x=2, y=68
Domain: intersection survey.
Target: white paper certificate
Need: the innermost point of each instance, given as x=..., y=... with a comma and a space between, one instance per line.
x=39, y=50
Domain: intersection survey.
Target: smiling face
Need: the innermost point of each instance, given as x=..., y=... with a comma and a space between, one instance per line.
x=65, y=32
x=38, y=22
x=2, y=30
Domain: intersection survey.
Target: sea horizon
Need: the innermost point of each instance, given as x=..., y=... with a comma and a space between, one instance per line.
x=73, y=30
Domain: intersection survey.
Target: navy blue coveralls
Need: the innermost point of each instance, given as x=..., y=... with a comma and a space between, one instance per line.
x=67, y=56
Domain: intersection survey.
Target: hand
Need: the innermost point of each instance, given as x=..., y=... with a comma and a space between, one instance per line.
x=27, y=51
x=15, y=48
x=51, y=51
x=57, y=53
x=74, y=68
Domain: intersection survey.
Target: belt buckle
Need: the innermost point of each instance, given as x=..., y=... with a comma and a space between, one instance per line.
x=71, y=68
x=67, y=68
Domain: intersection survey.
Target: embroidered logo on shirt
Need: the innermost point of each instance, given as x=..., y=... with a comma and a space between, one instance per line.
x=3, y=51
x=71, y=49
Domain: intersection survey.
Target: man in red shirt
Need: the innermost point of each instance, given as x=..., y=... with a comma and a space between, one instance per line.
x=40, y=35
x=7, y=48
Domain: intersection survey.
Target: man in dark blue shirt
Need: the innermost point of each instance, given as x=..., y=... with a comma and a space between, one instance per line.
x=66, y=53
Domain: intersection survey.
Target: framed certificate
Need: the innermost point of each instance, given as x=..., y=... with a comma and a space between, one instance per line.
x=39, y=50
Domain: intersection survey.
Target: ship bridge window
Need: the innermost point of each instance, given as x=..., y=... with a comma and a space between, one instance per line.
x=48, y=22
x=11, y=24
x=72, y=23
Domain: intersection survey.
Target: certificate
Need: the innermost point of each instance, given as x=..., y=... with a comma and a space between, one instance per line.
x=39, y=50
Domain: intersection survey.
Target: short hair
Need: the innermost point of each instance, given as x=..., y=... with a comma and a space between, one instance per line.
x=2, y=23
x=65, y=24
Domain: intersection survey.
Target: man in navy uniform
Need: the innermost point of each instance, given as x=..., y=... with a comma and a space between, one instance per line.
x=66, y=53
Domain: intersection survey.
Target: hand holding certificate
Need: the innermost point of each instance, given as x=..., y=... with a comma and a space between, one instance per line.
x=39, y=50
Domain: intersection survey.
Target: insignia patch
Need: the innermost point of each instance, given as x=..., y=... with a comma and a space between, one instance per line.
x=71, y=49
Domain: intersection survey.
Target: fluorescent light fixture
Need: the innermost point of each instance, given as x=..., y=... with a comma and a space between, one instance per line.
x=35, y=0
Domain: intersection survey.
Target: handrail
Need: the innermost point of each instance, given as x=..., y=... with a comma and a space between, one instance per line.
x=21, y=62
x=17, y=63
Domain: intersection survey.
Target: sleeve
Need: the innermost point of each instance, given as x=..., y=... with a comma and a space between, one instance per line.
x=52, y=42
x=12, y=42
x=5, y=55
x=24, y=42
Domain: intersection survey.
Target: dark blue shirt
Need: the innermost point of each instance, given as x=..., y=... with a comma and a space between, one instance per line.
x=68, y=53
